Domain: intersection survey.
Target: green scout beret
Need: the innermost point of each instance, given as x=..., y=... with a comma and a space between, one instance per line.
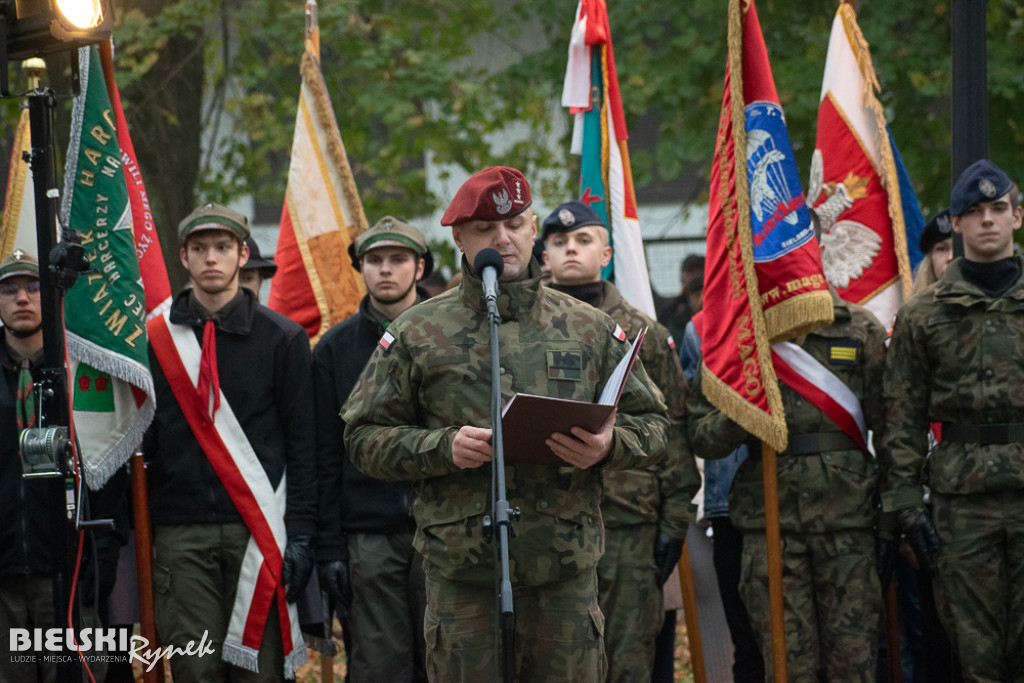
x=212, y=216
x=19, y=263
x=391, y=232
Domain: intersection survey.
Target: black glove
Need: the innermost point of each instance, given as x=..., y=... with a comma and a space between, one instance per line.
x=101, y=574
x=298, y=566
x=886, y=547
x=667, y=551
x=921, y=535
x=334, y=580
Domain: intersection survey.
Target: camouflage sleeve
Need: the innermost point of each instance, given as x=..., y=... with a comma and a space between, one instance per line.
x=641, y=424
x=906, y=391
x=712, y=434
x=382, y=435
x=874, y=374
x=678, y=477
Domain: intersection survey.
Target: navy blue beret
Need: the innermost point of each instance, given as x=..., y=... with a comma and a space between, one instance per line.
x=982, y=181
x=936, y=230
x=570, y=216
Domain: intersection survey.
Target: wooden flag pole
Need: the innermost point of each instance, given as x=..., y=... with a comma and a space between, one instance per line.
x=326, y=660
x=774, y=541
x=144, y=562
x=690, y=614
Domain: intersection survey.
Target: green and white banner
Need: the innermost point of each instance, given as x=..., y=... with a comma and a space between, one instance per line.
x=105, y=311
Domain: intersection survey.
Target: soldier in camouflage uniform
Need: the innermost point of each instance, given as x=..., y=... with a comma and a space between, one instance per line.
x=646, y=511
x=956, y=358
x=827, y=510
x=421, y=411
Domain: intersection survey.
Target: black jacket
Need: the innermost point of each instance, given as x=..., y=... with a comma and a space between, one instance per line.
x=263, y=363
x=350, y=501
x=27, y=505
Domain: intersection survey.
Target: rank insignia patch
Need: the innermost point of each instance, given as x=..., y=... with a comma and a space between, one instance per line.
x=843, y=351
x=565, y=365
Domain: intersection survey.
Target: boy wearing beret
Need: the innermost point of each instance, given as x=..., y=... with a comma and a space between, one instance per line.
x=421, y=411
x=646, y=511
x=231, y=466
x=955, y=358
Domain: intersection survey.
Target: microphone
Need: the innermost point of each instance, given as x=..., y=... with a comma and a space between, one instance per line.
x=489, y=265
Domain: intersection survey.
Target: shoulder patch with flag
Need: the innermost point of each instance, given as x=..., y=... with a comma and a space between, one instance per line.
x=619, y=333
x=386, y=340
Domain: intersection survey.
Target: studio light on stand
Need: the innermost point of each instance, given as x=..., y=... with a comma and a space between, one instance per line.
x=35, y=28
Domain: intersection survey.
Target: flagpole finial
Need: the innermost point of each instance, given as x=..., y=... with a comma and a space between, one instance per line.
x=313, y=26
x=35, y=71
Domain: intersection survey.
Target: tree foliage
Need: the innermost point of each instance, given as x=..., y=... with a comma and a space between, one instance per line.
x=210, y=89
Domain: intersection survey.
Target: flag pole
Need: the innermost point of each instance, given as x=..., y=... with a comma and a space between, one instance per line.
x=144, y=561
x=691, y=616
x=773, y=539
x=326, y=659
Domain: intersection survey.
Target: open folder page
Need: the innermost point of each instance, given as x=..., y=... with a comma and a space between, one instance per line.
x=528, y=420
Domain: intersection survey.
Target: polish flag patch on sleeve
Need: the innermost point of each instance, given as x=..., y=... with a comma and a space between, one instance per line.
x=671, y=343
x=386, y=340
x=619, y=333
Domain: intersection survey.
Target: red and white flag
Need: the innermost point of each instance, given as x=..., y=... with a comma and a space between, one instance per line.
x=315, y=284
x=854, y=185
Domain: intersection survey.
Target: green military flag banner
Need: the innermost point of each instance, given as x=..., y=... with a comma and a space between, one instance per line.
x=105, y=311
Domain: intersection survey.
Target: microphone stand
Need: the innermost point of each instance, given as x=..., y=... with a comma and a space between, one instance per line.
x=503, y=514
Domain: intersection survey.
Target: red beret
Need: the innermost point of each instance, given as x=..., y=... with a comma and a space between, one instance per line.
x=493, y=194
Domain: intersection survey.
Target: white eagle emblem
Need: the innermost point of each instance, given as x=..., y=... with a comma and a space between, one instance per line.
x=502, y=202
x=987, y=187
x=847, y=250
x=567, y=218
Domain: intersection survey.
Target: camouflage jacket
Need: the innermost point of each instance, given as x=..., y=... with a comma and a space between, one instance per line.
x=433, y=377
x=956, y=356
x=820, y=492
x=660, y=494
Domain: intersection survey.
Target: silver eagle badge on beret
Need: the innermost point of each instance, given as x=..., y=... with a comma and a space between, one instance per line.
x=987, y=187
x=567, y=218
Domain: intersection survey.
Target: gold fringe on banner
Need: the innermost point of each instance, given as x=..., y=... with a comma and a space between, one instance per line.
x=799, y=315
x=313, y=77
x=769, y=427
x=887, y=173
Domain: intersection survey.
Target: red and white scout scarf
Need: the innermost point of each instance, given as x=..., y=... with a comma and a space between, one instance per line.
x=262, y=508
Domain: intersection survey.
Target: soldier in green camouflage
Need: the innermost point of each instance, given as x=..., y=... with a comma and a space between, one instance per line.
x=646, y=511
x=827, y=509
x=956, y=359
x=420, y=411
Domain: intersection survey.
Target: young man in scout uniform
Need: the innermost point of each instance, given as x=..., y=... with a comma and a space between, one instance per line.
x=365, y=555
x=231, y=466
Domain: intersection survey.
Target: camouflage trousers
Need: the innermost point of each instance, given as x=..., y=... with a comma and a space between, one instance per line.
x=386, y=616
x=832, y=599
x=559, y=631
x=631, y=601
x=980, y=587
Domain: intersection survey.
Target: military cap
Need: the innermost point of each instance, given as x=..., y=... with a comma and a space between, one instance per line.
x=212, y=216
x=256, y=261
x=19, y=262
x=570, y=216
x=493, y=194
x=982, y=181
x=936, y=230
x=391, y=232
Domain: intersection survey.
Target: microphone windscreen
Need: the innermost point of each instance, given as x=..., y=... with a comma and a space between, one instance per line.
x=488, y=257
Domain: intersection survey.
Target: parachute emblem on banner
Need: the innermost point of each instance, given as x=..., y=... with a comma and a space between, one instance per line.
x=768, y=188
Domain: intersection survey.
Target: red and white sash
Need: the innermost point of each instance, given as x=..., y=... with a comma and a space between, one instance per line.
x=261, y=507
x=819, y=385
